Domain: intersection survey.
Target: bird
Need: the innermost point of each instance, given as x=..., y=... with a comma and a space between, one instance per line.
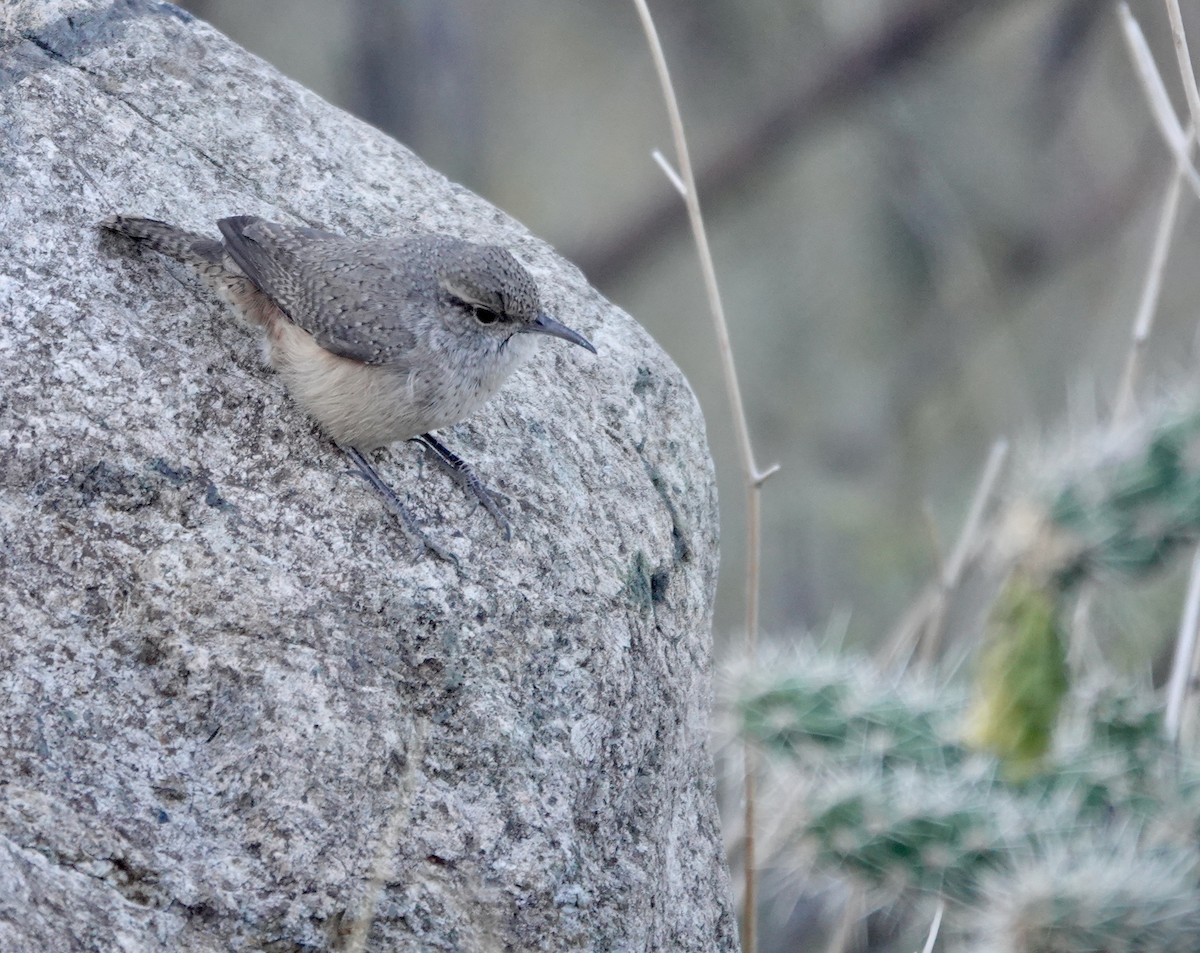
x=378, y=340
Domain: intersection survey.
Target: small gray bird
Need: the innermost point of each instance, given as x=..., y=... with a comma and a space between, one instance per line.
x=379, y=341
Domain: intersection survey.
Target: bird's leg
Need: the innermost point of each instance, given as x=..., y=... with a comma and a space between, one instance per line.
x=458, y=468
x=411, y=529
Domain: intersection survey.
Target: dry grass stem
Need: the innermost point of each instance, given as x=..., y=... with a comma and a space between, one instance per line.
x=669, y=171
x=696, y=219
x=1151, y=291
x=753, y=478
x=921, y=628
x=992, y=469
x=1179, y=38
x=1185, y=651
x=934, y=928
x=1168, y=123
x=1184, y=663
x=1180, y=143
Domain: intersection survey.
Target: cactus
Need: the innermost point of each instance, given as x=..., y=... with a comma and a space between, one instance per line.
x=1052, y=821
x=916, y=830
x=1130, y=510
x=822, y=709
x=1094, y=897
x=1120, y=513
x=876, y=785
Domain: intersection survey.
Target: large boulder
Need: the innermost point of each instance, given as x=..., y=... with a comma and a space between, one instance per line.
x=239, y=710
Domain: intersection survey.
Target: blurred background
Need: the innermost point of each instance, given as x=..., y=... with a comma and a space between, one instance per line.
x=931, y=221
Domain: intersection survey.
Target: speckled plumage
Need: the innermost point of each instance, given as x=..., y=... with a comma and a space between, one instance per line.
x=379, y=341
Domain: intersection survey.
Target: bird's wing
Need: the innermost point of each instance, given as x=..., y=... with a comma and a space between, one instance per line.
x=358, y=299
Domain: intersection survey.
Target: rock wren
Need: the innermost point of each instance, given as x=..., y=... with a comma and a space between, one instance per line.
x=379, y=341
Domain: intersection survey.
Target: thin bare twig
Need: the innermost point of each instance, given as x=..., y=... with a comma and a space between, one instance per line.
x=1178, y=141
x=1151, y=291
x=1185, y=650
x=708, y=271
x=983, y=495
x=935, y=927
x=1184, y=663
x=953, y=571
x=1179, y=38
x=753, y=478
x=669, y=172
x=921, y=627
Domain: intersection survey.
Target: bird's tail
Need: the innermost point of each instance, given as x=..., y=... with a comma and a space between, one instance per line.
x=177, y=243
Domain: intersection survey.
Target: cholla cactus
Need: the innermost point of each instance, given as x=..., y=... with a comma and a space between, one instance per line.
x=1092, y=897
x=1121, y=511
x=1124, y=506
x=822, y=708
x=908, y=830
x=1045, y=837
x=872, y=782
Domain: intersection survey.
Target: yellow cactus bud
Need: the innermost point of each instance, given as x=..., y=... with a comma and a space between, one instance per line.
x=1021, y=681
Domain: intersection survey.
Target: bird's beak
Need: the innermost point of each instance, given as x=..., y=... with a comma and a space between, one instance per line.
x=544, y=324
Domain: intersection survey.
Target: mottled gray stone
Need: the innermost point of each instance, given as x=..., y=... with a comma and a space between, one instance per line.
x=231, y=689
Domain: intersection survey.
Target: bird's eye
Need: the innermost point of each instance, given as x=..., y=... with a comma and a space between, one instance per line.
x=485, y=315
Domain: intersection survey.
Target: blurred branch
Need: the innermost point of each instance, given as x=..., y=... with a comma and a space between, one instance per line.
x=921, y=627
x=1183, y=669
x=827, y=90
x=1185, y=652
x=1151, y=291
x=934, y=927
x=1168, y=123
x=1186, y=73
x=1177, y=139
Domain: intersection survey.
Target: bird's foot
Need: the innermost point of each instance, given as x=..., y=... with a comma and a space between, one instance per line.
x=411, y=528
x=462, y=473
